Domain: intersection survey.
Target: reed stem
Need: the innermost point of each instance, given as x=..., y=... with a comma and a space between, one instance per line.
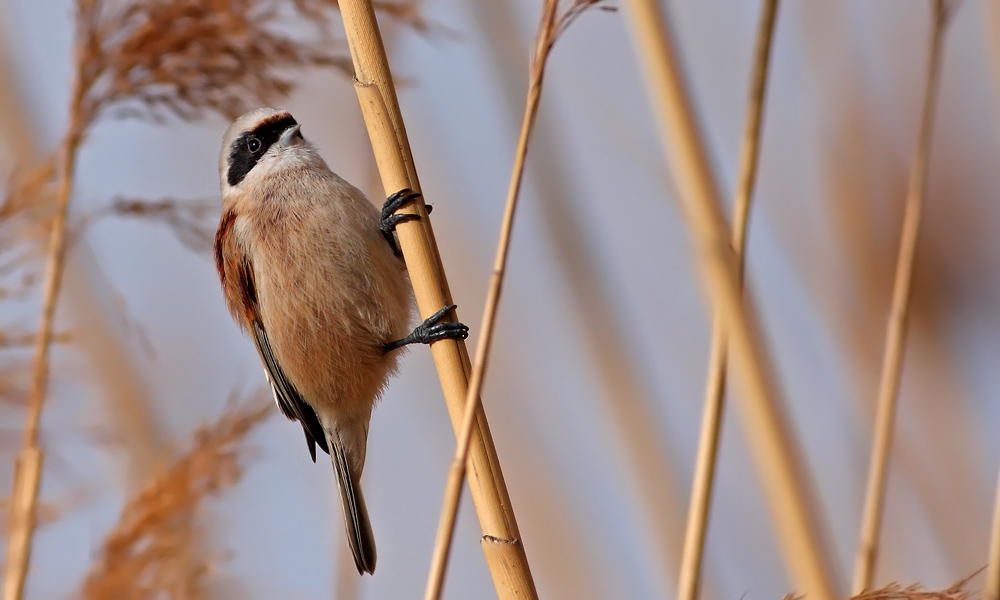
x=895, y=341
x=715, y=391
x=27, y=474
x=453, y=489
x=774, y=449
x=373, y=82
x=991, y=589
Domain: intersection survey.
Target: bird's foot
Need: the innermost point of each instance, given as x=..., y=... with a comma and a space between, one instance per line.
x=389, y=219
x=432, y=330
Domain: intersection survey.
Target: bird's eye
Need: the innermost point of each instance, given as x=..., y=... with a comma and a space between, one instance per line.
x=253, y=145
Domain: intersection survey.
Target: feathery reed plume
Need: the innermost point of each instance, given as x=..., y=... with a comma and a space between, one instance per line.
x=377, y=96
x=715, y=390
x=147, y=59
x=186, y=57
x=24, y=214
x=24, y=340
x=888, y=392
x=772, y=444
x=142, y=557
x=192, y=221
x=894, y=591
x=552, y=24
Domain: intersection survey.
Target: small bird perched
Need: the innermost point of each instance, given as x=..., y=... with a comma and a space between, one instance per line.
x=311, y=271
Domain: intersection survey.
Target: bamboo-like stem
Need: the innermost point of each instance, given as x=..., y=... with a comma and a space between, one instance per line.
x=123, y=387
x=991, y=589
x=715, y=391
x=624, y=391
x=772, y=444
x=453, y=490
x=895, y=340
x=29, y=461
x=501, y=541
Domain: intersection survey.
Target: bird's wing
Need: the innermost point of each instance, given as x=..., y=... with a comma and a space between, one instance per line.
x=237, y=275
x=286, y=396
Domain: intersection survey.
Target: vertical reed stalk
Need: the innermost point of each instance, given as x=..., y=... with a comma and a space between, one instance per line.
x=895, y=340
x=547, y=31
x=772, y=444
x=624, y=394
x=27, y=472
x=711, y=423
x=501, y=540
x=991, y=591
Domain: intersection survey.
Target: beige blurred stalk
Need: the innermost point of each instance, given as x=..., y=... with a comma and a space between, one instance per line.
x=991, y=589
x=715, y=392
x=864, y=171
x=773, y=447
x=624, y=390
x=501, y=539
x=27, y=469
x=895, y=342
x=549, y=28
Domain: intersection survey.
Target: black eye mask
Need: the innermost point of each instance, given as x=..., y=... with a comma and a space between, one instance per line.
x=251, y=145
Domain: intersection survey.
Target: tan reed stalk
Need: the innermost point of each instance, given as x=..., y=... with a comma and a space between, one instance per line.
x=711, y=423
x=548, y=29
x=991, y=590
x=347, y=585
x=29, y=461
x=895, y=340
x=772, y=444
x=624, y=392
x=856, y=147
x=115, y=371
x=501, y=539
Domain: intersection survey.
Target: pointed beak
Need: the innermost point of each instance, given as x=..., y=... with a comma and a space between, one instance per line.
x=289, y=136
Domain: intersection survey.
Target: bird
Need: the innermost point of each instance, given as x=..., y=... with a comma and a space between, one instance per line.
x=311, y=271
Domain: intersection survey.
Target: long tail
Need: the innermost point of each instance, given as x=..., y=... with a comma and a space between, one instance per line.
x=359, y=528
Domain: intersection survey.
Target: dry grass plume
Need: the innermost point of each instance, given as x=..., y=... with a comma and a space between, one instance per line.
x=145, y=555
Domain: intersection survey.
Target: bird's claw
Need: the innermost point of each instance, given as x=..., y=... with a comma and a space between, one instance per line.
x=432, y=330
x=389, y=219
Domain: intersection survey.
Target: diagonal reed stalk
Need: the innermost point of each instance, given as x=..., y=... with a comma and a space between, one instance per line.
x=991, y=589
x=715, y=391
x=501, y=541
x=27, y=470
x=548, y=29
x=895, y=340
x=624, y=389
x=772, y=444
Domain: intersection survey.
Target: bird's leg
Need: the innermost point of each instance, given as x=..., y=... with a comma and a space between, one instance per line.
x=389, y=219
x=431, y=331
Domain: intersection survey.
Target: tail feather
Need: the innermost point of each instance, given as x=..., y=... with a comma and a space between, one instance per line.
x=359, y=528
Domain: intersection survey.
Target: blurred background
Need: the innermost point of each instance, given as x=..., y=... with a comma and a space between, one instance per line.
x=595, y=387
